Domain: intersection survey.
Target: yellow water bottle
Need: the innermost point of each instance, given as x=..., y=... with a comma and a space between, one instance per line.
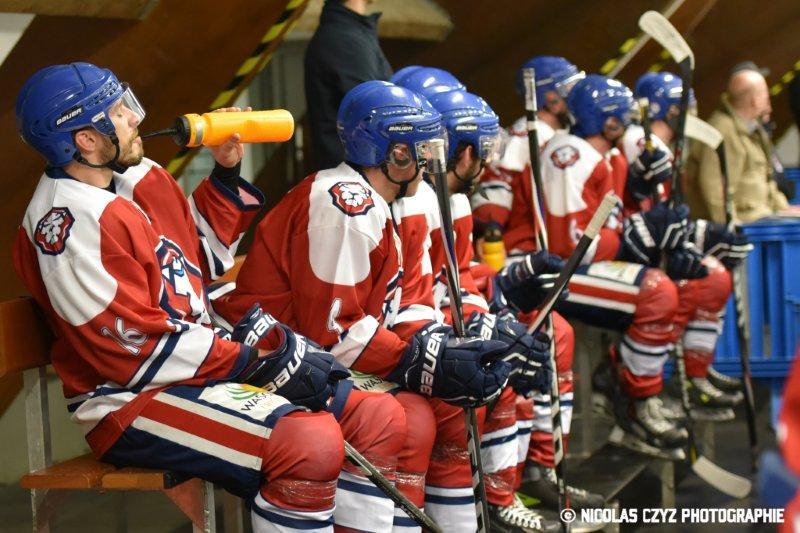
x=213, y=129
x=492, y=247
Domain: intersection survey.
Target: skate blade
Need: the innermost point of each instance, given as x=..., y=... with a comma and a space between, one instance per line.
x=702, y=414
x=620, y=437
x=722, y=480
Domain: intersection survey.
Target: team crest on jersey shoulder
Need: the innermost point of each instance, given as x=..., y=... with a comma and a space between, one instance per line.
x=52, y=230
x=565, y=156
x=352, y=198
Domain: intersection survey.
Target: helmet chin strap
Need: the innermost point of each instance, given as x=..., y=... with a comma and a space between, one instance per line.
x=403, y=184
x=467, y=182
x=114, y=164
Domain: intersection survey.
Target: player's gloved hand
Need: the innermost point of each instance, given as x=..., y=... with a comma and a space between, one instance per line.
x=528, y=356
x=730, y=247
x=296, y=369
x=685, y=262
x=462, y=371
x=525, y=283
x=647, y=171
x=645, y=235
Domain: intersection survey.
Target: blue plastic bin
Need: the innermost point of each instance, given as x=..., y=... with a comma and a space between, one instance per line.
x=794, y=175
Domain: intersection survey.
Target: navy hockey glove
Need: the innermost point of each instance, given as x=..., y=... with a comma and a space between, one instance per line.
x=297, y=369
x=685, y=262
x=525, y=283
x=645, y=235
x=647, y=171
x=731, y=248
x=467, y=372
x=528, y=356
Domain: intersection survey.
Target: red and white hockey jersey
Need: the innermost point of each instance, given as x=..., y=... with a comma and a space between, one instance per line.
x=471, y=298
x=326, y=261
x=575, y=178
x=121, y=278
x=508, y=189
x=414, y=216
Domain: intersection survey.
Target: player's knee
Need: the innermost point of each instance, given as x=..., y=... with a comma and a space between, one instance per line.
x=717, y=286
x=306, y=446
x=381, y=428
x=565, y=343
x=657, y=300
x=420, y=425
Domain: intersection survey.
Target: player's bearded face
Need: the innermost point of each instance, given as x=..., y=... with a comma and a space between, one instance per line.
x=126, y=124
x=558, y=106
x=613, y=130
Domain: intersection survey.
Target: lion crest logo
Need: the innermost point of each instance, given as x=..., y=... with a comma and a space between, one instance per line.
x=52, y=231
x=351, y=198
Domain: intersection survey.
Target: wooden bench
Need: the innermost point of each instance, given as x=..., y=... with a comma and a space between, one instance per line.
x=25, y=342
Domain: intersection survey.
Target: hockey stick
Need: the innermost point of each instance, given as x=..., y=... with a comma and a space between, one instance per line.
x=632, y=46
x=437, y=167
x=742, y=327
x=644, y=111
x=716, y=476
x=529, y=78
x=704, y=132
x=372, y=473
x=664, y=33
x=599, y=218
x=699, y=130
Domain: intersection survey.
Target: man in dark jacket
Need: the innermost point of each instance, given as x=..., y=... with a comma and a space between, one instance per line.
x=343, y=52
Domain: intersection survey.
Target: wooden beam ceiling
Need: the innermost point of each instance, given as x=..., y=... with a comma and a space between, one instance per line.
x=121, y=9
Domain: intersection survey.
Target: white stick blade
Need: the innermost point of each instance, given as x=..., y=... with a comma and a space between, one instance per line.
x=601, y=215
x=699, y=130
x=662, y=31
x=722, y=480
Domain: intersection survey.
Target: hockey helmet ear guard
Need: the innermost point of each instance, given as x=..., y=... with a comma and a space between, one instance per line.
x=59, y=100
x=376, y=117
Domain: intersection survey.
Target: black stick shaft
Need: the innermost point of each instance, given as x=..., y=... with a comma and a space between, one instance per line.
x=742, y=327
x=438, y=169
x=687, y=75
x=531, y=108
x=374, y=475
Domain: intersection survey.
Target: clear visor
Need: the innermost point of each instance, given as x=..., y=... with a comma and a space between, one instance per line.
x=489, y=149
x=131, y=104
x=632, y=116
x=565, y=86
x=424, y=150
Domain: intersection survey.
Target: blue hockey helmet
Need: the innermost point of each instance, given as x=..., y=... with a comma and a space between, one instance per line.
x=59, y=100
x=663, y=91
x=553, y=73
x=597, y=98
x=468, y=120
x=375, y=116
x=427, y=81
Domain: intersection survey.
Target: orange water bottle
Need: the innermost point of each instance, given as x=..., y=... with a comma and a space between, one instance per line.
x=492, y=247
x=213, y=129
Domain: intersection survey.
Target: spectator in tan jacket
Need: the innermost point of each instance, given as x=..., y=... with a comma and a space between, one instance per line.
x=739, y=118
